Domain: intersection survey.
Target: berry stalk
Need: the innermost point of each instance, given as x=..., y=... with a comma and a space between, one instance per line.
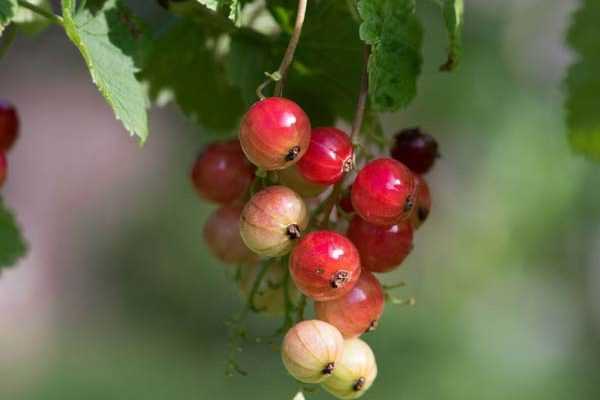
x=291, y=49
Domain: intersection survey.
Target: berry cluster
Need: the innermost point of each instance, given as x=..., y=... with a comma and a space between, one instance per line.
x=9, y=129
x=280, y=187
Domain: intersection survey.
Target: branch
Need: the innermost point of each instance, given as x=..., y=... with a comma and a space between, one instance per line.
x=289, y=52
x=41, y=11
x=362, y=97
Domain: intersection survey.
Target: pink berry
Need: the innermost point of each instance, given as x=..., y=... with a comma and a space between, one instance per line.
x=9, y=125
x=415, y=149
x=384, y=192
x=421, y=211
x=356, y=312
x=221, y=173
x=275, y=133
x=222, y=236
x=328, y=157
x=325, y=265
x=3, y=168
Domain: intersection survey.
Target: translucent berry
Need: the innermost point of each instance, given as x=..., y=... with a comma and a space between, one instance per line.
x=311, y=350
x=381, y=248
x=356, y=312
x=3, y=168
x=384, y=192
x=421, y=211
x=325, y=265
x=292, y=178
x=222, y=236
x=9, y=125
x=275, y=133
x=328, y=157
x=273, y=220
x=415, y=149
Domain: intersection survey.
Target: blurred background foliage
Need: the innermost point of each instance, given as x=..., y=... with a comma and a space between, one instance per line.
x=130, y=305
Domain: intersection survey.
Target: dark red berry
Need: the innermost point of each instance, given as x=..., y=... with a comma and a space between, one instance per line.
x=415, y=149
x=221, y=173
x=384, y=192
x=346, y=202
x=381, y=248
x=423, y=206
x=222, y=236
x=3, y=168
x=275, y=133
x=328, y=157
x=356, y=312
x=325, y=265
x=9, y=125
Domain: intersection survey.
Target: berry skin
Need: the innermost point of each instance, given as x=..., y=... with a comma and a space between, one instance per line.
x=384, y=192
x=292, y=178
x=328, y=157
x=415, y=149
x=354, y=373
x=222, y=236
x=3, y=168
x=325, y=265
x=311, y=350
x=273, y=220
x=381, y=248
x=221, y=173
x=9, y=125
x=275, y=133
x=356, y=312
x=423, y=207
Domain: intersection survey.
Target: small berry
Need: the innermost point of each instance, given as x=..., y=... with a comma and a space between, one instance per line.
x=3, y=168
x=9, y=125
x=356, y=312
x=329, y=156
x=355, y=371
x=415, y=149
x=292, y=178
x=273, y=220
x=221, y=173
x=325, y=265
x=423, y=207
x=346, y=202
x=384, y=192
x=275, y=133
x=311, y=350
x=381, y=248
x=222, y=236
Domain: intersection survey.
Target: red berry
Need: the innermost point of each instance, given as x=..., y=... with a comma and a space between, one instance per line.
x=292, y=178
x=221, y=173
x=222, y=236
x=381, y=248
x=9, y=125
x=346, y=202
x=356, y=312
x=415, y=149
x=421, y=211
x=325, y=265
x=328, y=157
x=3, y=168
x=275, y=133
x=384, y=192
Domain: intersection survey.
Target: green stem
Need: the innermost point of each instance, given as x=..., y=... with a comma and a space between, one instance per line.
x=41, y=11
x=291, y=49
x=8, y=39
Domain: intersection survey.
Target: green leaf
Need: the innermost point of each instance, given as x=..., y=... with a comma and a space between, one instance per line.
x=453, y=16
x=107, y=40
x=12, y=245
x=392, y=29
x=29, y=22
x=8, y=10
x=583, y=81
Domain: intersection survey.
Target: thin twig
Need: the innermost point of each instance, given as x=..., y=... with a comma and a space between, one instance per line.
x=7, y=40
x=362, y=98
x=41, y=11
x=289, y=52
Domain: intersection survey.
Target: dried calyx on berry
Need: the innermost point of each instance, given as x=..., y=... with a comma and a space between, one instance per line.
x=329, y=156
x=415, y=149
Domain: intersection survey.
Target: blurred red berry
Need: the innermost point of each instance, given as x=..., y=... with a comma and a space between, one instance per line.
x=9, y=125
x=415, y=149
x=222, y=236
x=3, y=168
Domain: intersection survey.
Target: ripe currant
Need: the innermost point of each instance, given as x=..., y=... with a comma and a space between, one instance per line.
x=311, y=350
x=275, y=133
x=9, y=125
x=273, y=220
x=423, y=207
x=415, y=149
x=325, y=265
x=3, y=168
x=221, y=173
x=346, y=202
x=381, y=248
x=292, y=178
x=222, y=236
x=384, y=192
x=356, y=312
x=328, y=157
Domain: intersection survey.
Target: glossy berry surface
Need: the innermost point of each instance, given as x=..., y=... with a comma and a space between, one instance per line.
x=222, y=236
x=325, y=265
x=423, y=206
x=221, y=172
x=384, y=192
x=273, y=221
x=9, y=125
x=328, y=157
x=415, y=149
x=381, y=248
x=356, y=312
x=3, y=168
x=275, y=133
x=292, y=178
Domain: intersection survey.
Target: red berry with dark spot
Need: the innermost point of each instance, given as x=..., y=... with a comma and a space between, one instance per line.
x=415, y=149
x=221, y=173
x=275, y=133
x=384, y=192
x=423, y=206
x=222, y=236
x=3, y=168
x=325, y=265
x=328, y=157
x=356, y=312
x=9, y=125
x=381, y=248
